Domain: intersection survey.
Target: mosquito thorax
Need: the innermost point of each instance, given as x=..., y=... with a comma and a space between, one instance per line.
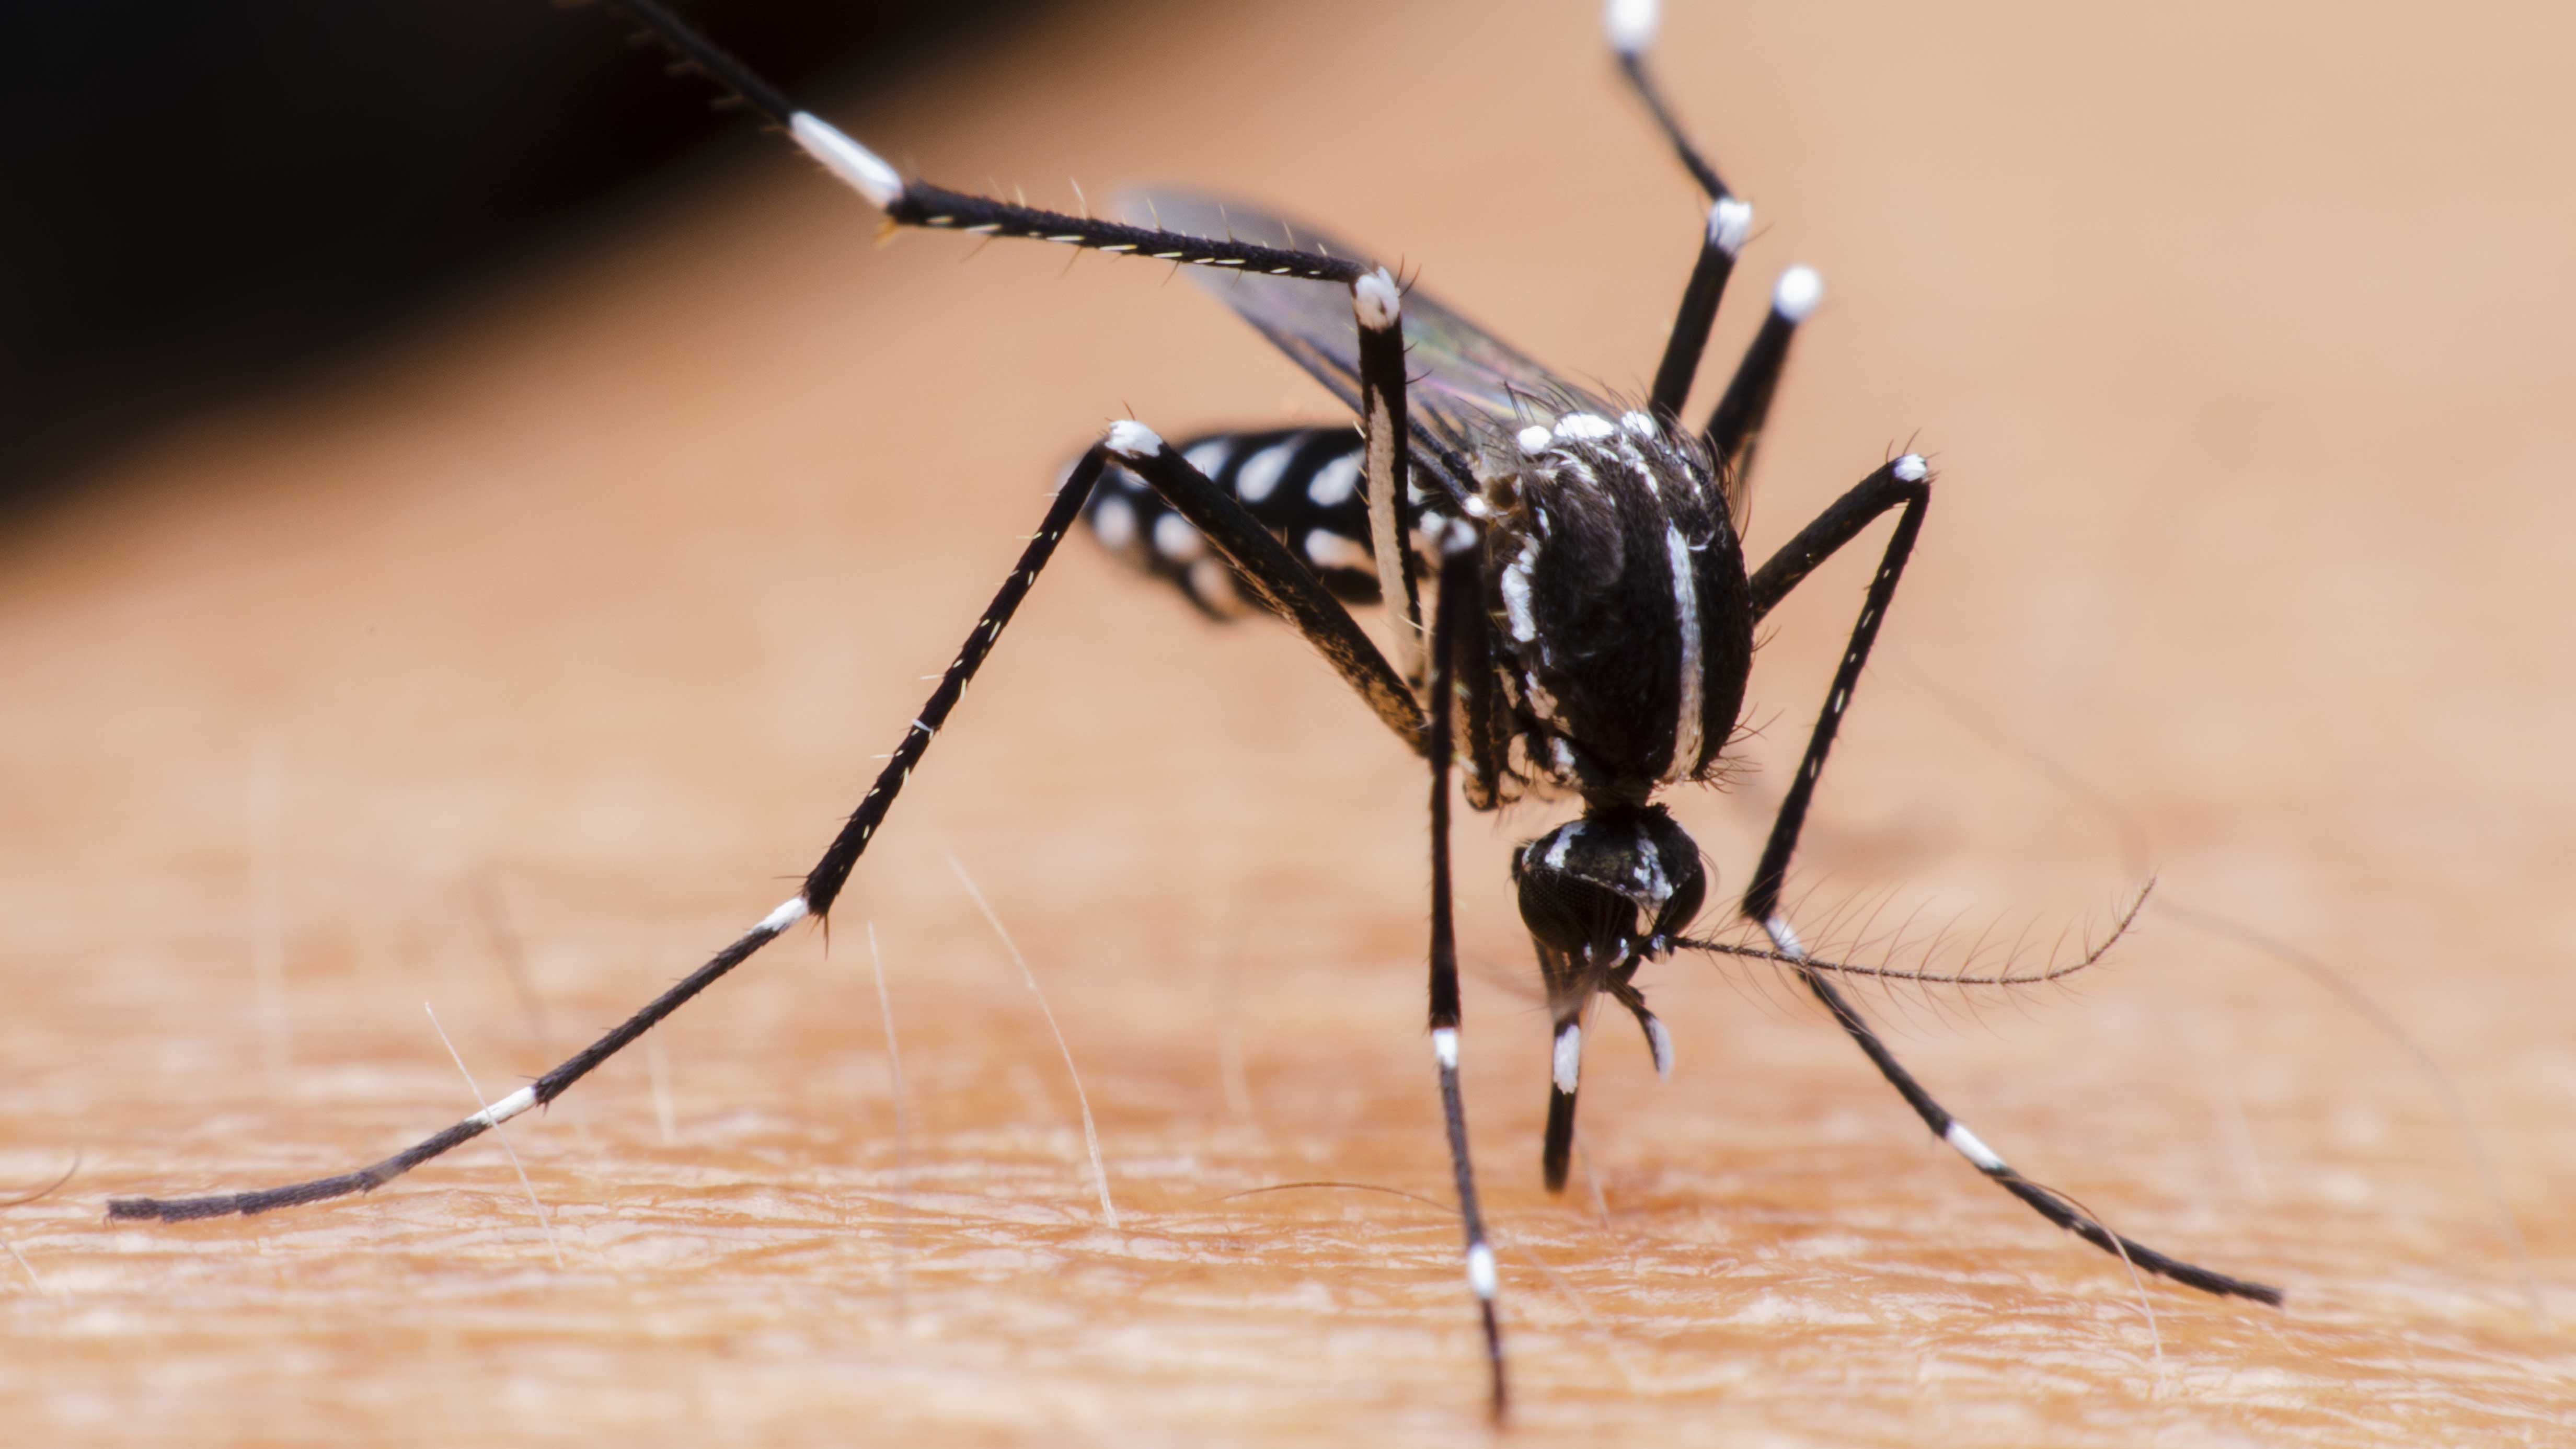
x=1604, y=892
x=1617, y=587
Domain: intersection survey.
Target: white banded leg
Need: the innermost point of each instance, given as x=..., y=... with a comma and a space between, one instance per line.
x=1969, y=1145
x=1378, y=308
x=1729, y=220
x=1904, y=483
x=1456, y=606
x=925, y=204
x=1303, y=484
x=1630, y=27
x=1278, y=581
x=1734, y=427
x=822, y=886
x=922, y=203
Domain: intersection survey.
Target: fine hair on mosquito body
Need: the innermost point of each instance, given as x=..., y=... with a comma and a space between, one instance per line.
x=1570, y=615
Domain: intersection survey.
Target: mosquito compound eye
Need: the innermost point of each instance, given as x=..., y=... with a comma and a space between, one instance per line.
x=1690, y=892
x=1578, y=918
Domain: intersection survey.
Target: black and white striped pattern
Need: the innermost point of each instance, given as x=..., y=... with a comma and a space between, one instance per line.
x=1613, y=527
x=1593, y=629
x=1303, y=484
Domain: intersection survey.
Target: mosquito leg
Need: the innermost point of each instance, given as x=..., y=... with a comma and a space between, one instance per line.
x=1967, y=1144
x=1282, y=584
x=1287, y=586
x=1907, y=483
x=1735, y=425
x=1630, y=26
x=1456, y=644
x=1728, y=221
x=1458, y=598
x=1378, y=309
x=926, y=204
x=815, y=899
x=1904, y=483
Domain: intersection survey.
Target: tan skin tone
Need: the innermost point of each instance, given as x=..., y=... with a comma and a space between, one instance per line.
x=511, y=611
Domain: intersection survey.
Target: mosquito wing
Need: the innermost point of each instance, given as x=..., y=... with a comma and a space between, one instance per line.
x=1466, y=385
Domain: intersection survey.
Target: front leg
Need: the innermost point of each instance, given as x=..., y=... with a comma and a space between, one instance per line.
x=1904, y=483
x=1460, y=550
x=927, y=204
x=813, y=900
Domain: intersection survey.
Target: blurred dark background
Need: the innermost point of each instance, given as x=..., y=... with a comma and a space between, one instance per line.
x=199, y=197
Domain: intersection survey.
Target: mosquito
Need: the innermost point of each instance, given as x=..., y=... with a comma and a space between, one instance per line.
x=1570, y=611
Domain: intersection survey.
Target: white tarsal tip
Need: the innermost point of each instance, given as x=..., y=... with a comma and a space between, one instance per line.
x=1480, y=1272
x=1729, y=222
x=1630, y=24
x=1569, y=1057
x=1971, y=1148
x=1911, y=468
x=789, y=912
x=866, y=172
x=507, y=1108
x=1375, y=300
x=1660, y=1041
x=1444, y=1046
x=1129, y=438
x=1797, y=292
x=1534, y=439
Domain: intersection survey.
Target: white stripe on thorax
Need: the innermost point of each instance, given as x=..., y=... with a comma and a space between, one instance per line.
x=1686, y=718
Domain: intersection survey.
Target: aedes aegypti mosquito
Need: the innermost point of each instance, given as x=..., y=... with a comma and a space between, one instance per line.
x=1590, y=621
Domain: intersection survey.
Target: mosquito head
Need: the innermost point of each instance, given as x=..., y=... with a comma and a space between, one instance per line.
x=1601, y=896
x=1604, y=893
